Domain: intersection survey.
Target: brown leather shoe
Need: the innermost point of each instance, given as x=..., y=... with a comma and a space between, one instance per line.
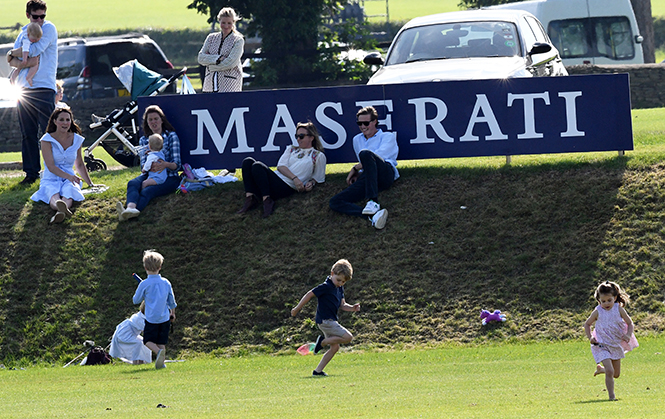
x=251, y=202
x=268, y=207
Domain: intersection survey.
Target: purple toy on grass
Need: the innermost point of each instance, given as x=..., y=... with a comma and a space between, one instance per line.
x=487, y=317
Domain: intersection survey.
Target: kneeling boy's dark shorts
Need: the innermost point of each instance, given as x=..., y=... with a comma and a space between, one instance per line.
x=156, y=333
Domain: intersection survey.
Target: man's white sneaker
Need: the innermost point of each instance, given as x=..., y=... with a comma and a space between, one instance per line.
x=371, y=208
x=130, y=213
x=379, y=219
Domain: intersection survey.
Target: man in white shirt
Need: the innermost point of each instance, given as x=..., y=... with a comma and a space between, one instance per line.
x=375, y=171
x=37, y=102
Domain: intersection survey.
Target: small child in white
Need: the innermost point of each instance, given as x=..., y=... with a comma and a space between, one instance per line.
x=127, y=342
x=155, y=143
x=33, y=33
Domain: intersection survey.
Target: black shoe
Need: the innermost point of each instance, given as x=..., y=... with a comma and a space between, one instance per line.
x=318, y=346
x=28, y=180
x=251, y=202
x=319, y=374
x=268, y=207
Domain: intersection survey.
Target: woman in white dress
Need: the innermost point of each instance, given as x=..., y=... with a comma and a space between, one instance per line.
x=127, y=342
x=221, y=54
x=61, y=149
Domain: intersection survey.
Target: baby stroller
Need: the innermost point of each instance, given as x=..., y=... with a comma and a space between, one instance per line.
x=120, y=139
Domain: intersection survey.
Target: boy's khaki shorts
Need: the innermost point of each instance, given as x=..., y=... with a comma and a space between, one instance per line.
x=332, y=328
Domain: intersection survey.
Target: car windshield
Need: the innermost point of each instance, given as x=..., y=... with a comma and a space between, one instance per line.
x=104, y=57
x=68, y=65
x=455, y=40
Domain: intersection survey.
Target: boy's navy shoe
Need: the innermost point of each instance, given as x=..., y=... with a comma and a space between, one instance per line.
x=318, y=346
x=315, y=373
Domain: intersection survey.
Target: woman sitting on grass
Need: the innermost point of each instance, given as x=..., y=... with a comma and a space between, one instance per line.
x=298, y=170
x=154, y=122
x=61, y=149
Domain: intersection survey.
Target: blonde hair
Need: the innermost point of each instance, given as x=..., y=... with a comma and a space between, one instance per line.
x=34, y=30
x=228, y=12
x=343, y=268
x=152, y=260
x=311, y=130
x=156, y=142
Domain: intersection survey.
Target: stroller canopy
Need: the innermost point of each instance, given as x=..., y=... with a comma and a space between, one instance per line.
x=139, y=80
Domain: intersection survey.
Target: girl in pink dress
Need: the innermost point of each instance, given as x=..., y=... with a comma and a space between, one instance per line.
x=613, y=333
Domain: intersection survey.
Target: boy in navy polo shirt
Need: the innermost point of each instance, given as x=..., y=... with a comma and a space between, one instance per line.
x=160, y=306
x=330, y=297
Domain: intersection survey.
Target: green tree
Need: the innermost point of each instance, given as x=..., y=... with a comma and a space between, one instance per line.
x=642, y=9
x=289, y=30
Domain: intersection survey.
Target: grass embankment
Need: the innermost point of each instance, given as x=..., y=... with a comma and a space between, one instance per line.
x=542, y=380
x=533, y=240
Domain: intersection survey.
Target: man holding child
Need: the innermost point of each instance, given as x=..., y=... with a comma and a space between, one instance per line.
x=37, y=101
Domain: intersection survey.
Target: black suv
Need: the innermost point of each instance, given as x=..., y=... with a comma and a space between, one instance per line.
x=86, y=64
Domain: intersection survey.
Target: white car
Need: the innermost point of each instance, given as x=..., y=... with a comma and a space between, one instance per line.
x=468, y=45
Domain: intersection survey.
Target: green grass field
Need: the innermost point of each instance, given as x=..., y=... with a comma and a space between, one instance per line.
x=542, y=380
x=569, y=219
x=105, y=15
x=100, y=15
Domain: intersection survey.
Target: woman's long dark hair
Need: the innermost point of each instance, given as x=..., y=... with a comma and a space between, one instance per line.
x=166, y=125
x=51, y=127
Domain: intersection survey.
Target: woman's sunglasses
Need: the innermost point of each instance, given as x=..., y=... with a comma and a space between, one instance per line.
x=301, y=136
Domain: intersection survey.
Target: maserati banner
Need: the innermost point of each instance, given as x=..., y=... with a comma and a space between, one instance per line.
x=431, y=120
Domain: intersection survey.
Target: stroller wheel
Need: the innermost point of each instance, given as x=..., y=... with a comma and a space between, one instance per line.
x=94, y=165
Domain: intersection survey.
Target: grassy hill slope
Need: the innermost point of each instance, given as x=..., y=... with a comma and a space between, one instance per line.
x=533, y=240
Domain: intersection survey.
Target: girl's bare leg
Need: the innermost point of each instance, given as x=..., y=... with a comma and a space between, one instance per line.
x=599, y=370
x=609, y=378
x=616, y=363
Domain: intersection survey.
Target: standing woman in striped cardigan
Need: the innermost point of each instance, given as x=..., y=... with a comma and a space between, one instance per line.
x=221, y=54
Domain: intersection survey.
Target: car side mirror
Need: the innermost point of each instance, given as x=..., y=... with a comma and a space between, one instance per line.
x=373, y=58
x=540, y=48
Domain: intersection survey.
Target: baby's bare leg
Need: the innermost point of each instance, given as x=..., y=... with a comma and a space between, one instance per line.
x=148, y=182
x=31, y=74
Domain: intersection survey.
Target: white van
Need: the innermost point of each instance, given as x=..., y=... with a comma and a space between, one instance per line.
x=588, y=31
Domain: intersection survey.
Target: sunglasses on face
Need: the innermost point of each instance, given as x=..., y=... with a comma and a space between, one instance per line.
x=37, y=17
x=365, y=123
x=301, y=136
